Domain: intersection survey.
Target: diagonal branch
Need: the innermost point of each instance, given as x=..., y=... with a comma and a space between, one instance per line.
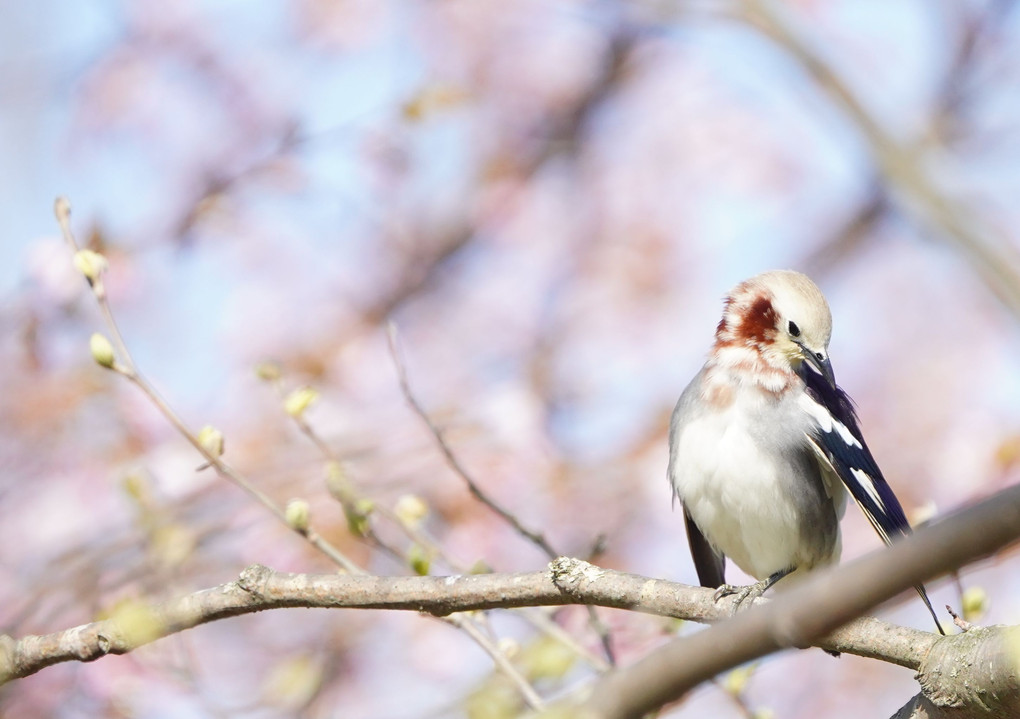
x=903, y=168
x=812, y=609
x=533, y=536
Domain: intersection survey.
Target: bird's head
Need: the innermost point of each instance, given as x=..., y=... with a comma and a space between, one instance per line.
x=784, y=317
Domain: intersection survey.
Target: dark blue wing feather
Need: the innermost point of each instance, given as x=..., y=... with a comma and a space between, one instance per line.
x=841, y=441
x=867, y=485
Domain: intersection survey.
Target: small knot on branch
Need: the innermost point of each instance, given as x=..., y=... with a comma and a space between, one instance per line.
x=570, y=575
x=254, y=578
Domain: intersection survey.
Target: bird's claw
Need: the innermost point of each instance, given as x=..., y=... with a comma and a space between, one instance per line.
x=742, y=593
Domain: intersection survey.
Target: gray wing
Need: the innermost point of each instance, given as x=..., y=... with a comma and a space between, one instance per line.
x=709, y=563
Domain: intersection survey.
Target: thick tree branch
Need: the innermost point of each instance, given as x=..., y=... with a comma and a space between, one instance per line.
x=798, y=617
x=568, y=581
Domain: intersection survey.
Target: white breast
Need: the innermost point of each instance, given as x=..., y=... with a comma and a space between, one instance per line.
x=749, y=478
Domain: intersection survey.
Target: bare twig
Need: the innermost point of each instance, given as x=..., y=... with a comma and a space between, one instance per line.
x=500, y=660
x=535, y=537
x=959, y=621
x=797, y=618
x=125, y=366
x=465, y=623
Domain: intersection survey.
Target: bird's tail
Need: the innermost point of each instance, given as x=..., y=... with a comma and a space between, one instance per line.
x=924, y=598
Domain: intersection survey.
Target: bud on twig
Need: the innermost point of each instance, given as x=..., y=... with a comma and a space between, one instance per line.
x=411, y=510
x=418, y=559
x=267, y=371
x=102, y=351
x=297, y=401
x=91, y=264
x=62, y=209
x=211, y=440
x=298, y=515
x=357, y=514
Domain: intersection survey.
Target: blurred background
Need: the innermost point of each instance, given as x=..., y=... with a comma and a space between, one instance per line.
x=549, y=200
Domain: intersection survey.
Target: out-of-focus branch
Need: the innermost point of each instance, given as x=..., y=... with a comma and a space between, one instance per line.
x=902, y=167
x=533, y=536
x=849, y=236
x=976, y=28
x=350, y=498
x=801, y=615
x=125, y=366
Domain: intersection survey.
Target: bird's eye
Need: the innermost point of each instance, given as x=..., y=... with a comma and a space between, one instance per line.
x=794, y=329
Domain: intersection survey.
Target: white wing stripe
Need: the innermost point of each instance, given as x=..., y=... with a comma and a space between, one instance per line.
x=826, y=421
x=868, y=485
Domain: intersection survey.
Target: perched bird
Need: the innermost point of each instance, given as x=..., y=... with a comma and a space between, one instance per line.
x=762, y=443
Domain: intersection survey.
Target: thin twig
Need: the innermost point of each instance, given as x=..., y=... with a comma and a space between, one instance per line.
x=500, y=660
x=126, y=367
x=959, y=621
x=537, y=617
x=536, y=538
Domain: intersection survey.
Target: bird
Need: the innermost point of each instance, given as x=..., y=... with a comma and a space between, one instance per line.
x=764, y=446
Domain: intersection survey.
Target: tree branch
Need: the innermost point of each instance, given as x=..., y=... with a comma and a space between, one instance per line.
x=808, y=611
x=800, y=617
x=902, y=168
x=566, y=581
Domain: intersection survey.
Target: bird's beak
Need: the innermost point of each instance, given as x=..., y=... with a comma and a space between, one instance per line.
x=819, y=363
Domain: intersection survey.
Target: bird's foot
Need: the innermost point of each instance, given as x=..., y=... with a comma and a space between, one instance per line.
x=743, y=593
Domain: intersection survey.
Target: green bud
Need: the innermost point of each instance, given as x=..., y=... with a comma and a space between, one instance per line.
x=357, y=513
x=480, y=567
x=736, y=681
x=418, y=559
x=411, y=510
x=91, y=264
x=337, y=483
x=510, y=647
x=136, y=621
x=293, y=683
x=298, y=514
x=102, y=351
x=211, y=440
x=297, y=401
x=547, y=658
x=975, y=603
x=173, y=544
x=267, y=371
x=138, y=488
